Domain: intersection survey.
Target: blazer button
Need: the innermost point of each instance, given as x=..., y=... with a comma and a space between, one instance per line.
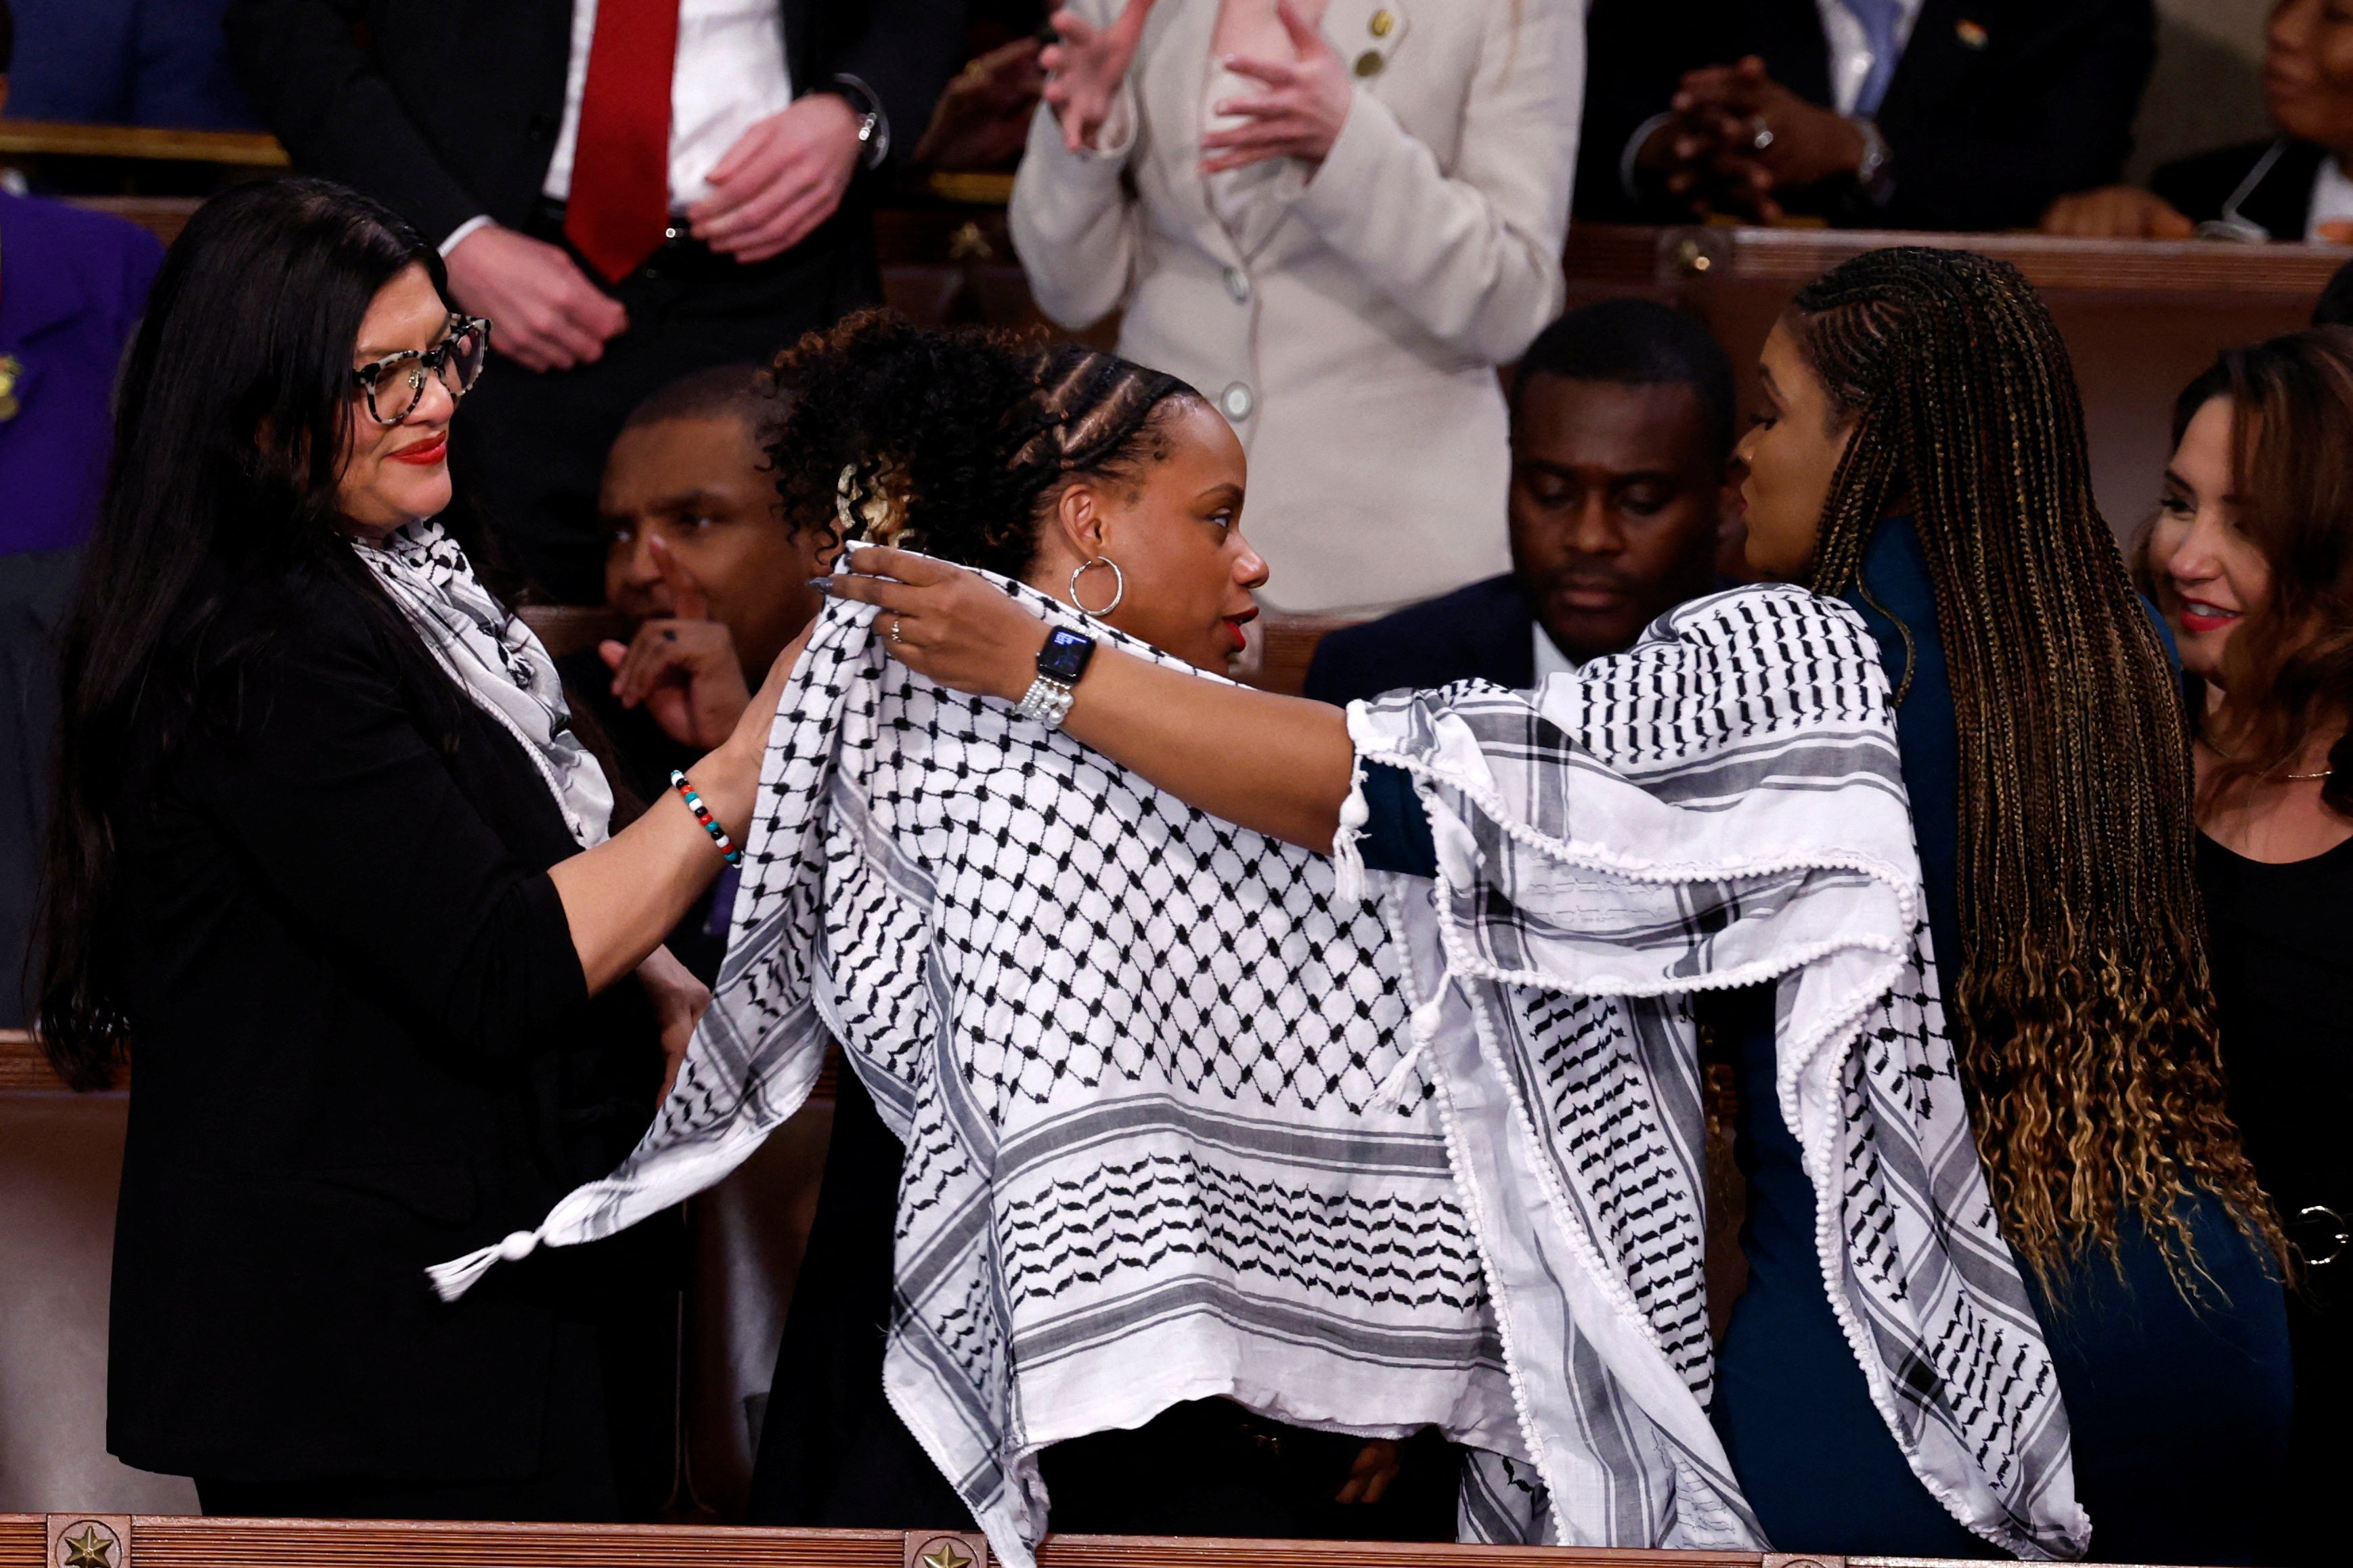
x=1383, y=24
x=1236, y=400
x=1237, y=283
x=1369, y=63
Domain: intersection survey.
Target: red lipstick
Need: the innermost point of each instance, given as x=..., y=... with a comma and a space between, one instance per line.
x=2197, y=616
x=426, y=453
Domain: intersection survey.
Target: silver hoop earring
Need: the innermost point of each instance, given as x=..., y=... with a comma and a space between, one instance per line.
x=1118, y=584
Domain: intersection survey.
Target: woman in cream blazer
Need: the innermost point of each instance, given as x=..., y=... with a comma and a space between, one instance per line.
x=1347, y=316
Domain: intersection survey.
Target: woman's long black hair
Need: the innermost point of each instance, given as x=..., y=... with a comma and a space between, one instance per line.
x=229, y=437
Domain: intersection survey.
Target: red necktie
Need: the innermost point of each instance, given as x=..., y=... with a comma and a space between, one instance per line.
x=620, y=203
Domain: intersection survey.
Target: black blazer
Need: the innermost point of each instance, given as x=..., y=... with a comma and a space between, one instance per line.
x=1978, y=137
x=2281, y=201
x=362, y=1045
x=1484, y=632
x=450, y=108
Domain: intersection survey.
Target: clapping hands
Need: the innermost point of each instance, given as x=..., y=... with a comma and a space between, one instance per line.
x=1084, y=67
x=1301, y=113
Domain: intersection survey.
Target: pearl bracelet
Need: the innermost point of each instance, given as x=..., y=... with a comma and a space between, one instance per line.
x=1048, y=701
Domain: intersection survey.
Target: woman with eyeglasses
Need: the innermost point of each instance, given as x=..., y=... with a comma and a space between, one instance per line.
x=330, y=866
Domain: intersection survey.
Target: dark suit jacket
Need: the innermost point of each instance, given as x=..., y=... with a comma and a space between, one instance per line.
x=450, y=108
x=2281, y=201
x=1484, y=632
x=1978, y=138
x=362, y=1046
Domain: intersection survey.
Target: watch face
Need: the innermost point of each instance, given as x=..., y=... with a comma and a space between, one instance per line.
x=1064, y=656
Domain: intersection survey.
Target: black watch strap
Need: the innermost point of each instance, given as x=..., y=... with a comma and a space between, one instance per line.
x=1065, y=657
x=873, y=123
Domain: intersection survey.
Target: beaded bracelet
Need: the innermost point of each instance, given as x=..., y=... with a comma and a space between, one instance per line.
x=727, y=849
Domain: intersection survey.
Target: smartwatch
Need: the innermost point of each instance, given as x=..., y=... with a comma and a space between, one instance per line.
x=1064, y=656
x=1059, y=664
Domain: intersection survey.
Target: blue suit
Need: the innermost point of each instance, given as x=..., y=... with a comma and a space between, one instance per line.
x=72, y=286
x=126, y=62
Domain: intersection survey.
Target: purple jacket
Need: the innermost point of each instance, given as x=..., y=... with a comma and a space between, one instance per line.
x=73, y=284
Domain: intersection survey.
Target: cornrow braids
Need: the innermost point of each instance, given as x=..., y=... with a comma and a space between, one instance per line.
x=2084, y=1015
x=958, y=441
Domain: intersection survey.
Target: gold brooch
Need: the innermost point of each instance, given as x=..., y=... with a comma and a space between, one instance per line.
x=12, y=371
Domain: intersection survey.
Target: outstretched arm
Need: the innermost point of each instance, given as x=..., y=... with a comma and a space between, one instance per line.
x=1277, y=765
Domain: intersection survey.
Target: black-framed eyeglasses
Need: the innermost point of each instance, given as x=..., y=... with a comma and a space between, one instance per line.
x=393, y=383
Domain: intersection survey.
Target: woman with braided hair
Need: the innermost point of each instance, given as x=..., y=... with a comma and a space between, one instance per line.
x=1118, y=490
x=1924, y=459
x=1923, y=453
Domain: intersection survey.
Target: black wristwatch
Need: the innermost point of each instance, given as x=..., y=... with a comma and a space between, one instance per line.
x=1059, y=664
x=873, y=124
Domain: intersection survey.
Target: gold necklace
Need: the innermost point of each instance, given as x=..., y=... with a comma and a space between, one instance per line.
x=2284, y=778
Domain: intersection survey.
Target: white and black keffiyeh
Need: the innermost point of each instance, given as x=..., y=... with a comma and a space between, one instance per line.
x=1163, y=1139
x=497, y=660
x=1186, y=1117
x=1720, y=806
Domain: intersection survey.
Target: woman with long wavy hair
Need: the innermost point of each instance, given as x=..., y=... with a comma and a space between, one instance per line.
x=2251, y=556
x=329, y=861
x=1922, y=458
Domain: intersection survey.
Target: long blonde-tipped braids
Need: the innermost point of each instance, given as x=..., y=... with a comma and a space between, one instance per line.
x=2083, y=1014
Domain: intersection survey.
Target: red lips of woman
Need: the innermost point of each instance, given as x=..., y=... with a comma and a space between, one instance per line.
x=425, y=453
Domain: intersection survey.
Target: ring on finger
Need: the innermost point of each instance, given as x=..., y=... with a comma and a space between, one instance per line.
x=1762, y=137
x=896, y=622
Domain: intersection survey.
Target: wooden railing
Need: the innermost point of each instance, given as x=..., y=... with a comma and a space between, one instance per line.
x=62, y=138
x=22, y=1066
x=158, y=1540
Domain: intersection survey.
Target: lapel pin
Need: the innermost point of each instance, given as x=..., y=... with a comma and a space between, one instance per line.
x=12, y=371
x=1383, y=24
x=1971, y=35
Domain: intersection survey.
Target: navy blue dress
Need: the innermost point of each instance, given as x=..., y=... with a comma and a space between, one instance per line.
x=2180, y=1414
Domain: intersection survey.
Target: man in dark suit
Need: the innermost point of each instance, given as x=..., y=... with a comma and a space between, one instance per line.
x=631, y=190
x=701, y=556
x=1933, y=114
x=1622, y=494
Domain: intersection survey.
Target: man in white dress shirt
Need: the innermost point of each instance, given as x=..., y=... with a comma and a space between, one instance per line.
x=631, y=190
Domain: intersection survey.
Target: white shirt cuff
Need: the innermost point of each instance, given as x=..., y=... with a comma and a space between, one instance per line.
x=457, y=235
x=1115, y=137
